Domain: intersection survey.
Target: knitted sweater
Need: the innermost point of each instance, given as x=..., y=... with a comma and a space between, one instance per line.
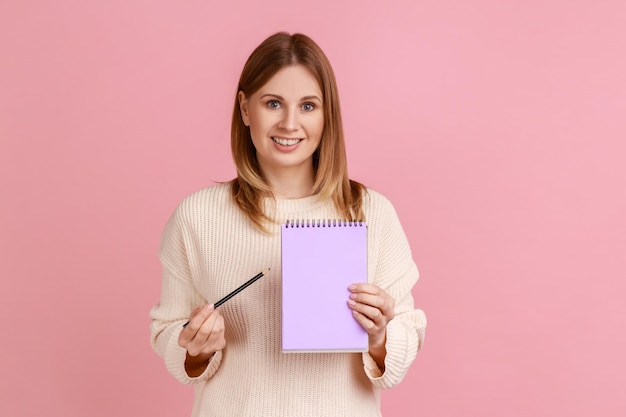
x=209, y=247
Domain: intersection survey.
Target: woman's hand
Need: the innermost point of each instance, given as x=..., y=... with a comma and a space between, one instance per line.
x=202, y=337
x=373, y=308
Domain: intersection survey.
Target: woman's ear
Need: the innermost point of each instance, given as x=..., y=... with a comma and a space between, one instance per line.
x=243, y=108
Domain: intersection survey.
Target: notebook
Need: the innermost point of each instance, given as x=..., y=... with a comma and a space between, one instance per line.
x=320, y=259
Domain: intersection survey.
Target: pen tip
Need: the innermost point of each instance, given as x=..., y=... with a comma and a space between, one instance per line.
x=266, y=271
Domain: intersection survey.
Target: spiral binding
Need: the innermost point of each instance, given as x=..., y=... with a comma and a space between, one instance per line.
x=323, y=223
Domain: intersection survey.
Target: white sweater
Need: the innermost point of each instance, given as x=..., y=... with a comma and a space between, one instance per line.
x=209, y=247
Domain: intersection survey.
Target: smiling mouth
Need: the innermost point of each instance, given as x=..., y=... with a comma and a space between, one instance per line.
x=286, y=142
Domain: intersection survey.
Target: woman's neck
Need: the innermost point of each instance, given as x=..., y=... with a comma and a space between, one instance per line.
x=291, y=183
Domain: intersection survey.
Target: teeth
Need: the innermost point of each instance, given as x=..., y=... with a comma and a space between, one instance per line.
x=285, y=142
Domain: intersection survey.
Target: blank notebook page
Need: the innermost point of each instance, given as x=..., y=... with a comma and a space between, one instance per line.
x=320, y=259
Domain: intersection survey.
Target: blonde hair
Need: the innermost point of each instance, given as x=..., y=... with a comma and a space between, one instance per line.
x=329, y=160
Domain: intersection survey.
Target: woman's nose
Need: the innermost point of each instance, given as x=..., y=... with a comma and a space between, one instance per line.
x=289, y=120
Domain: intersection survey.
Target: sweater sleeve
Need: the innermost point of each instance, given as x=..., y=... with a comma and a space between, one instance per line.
x=178, y=298
x=396, y=273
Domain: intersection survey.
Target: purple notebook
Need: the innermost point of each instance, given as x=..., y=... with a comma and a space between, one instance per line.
x=320, y=259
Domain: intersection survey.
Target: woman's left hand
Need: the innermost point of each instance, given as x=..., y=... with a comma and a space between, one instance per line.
x=373, y=308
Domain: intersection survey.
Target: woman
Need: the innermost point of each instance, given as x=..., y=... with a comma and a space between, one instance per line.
x=288, y=147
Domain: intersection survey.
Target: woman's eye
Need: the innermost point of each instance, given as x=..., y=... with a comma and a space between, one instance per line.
x=273, y=104
x=308, y=106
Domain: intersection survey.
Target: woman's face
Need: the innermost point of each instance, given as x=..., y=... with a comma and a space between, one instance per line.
x=286, y=120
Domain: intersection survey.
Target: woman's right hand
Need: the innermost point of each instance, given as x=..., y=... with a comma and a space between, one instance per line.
x=202, y=337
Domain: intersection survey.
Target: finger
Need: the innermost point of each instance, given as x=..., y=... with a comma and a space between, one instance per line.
x=364, y=287
x=215, y=340
x=369, y=299
x=198, y=317
x=383, y=302
x=194, y=344
x=377, y=335
x=210, y=336
x=207, y=327
x=369, y=326
x=375, y=315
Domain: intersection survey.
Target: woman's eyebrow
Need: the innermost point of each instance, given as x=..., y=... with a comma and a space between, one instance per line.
x=311, y=98
x=305, y=98
x=272, y=95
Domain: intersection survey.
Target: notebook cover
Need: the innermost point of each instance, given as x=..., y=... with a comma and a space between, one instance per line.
x=319, y=262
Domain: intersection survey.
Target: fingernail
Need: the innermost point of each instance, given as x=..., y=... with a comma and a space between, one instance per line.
x=353, y=296
x=352, y=287
x=209, y=307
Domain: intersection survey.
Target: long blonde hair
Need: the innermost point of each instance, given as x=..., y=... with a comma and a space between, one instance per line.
x=329, y=160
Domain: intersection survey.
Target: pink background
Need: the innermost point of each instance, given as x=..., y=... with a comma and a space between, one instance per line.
x=497, y=128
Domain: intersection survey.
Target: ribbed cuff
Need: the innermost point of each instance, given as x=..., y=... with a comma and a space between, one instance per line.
x=175, y=357
x=401, y=346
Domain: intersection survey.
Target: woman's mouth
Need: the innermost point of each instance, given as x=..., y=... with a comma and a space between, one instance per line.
x=286, y=141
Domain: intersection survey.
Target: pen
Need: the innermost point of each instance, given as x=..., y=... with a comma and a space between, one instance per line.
x=238, y=290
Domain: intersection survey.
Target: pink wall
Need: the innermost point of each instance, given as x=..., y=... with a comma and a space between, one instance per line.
x=497, y=128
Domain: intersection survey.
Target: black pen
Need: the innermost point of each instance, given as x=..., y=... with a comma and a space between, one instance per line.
x=238, y=290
